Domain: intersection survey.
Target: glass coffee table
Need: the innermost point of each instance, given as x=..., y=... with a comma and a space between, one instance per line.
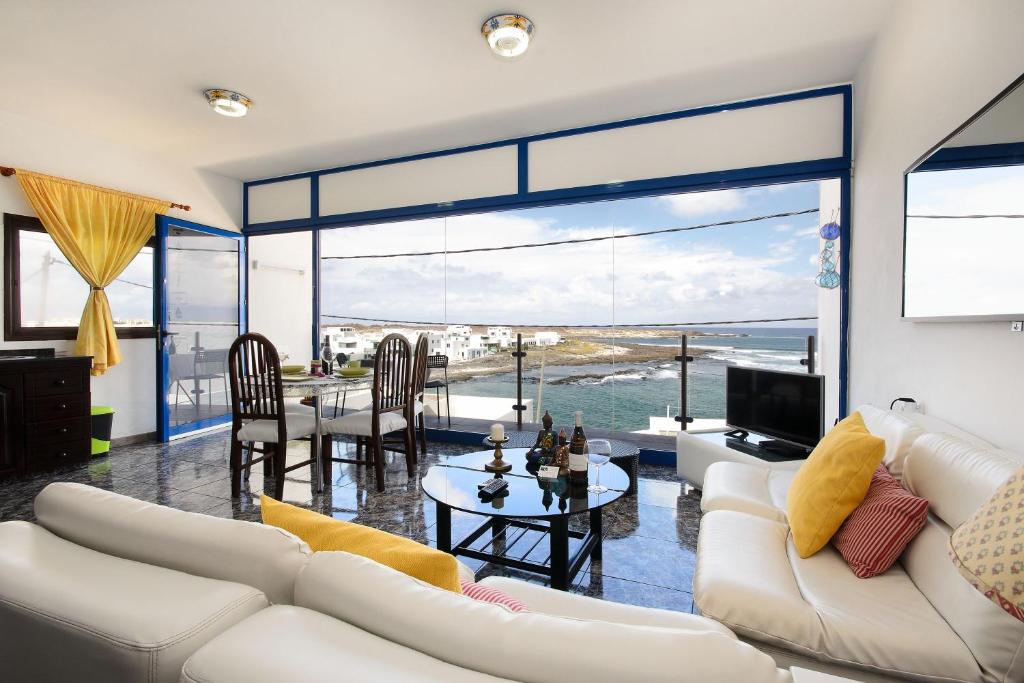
x=531, y=504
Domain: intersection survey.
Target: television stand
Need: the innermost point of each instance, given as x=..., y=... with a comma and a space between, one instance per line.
x=762, y=448
x=784, y=448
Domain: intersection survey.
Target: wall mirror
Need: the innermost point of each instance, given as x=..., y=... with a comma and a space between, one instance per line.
x=964, y=226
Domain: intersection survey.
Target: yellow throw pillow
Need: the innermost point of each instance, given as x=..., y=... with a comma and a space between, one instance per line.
x=324, y=533
x=832, y=483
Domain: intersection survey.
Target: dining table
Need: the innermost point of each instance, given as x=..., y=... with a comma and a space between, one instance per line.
x=315, y=388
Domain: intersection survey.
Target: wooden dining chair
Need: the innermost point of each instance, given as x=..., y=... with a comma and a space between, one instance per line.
x=259, y=415
x=390, y=411
x=419, y=381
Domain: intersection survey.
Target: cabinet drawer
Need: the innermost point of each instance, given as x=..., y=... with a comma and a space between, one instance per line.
x=56, y=407
x=49, y=456
x=56, y=431
x=53, y=382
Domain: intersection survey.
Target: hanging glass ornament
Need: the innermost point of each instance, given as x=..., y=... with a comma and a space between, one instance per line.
x=828, y=278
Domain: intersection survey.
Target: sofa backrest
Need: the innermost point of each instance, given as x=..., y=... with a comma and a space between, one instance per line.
x=261, y=556
x=956, y=476
x=525, y=646
x=897, y=431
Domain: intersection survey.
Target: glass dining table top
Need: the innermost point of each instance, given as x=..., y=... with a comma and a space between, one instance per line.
x=455, y=482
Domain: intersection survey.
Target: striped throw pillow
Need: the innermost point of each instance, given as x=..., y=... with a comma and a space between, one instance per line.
x=875, y=534
x=484, y=593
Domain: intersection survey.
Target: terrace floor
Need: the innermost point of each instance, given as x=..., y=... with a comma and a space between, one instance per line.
x=649, y=544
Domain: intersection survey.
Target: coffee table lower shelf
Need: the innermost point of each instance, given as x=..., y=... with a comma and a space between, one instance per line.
x=508, y=548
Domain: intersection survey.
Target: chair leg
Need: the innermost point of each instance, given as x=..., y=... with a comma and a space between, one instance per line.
x=236, y=468
x=247, y=470
x=423, y=432
x=448, y=405
x=280, y=451
x=268, y=459
x=378, y=461
x=410, y=449
x=326, y=462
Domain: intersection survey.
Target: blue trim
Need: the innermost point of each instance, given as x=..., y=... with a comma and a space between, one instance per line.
x=844, y=292
x=314, y=197
x=715, y=180
x=523, y=169
x=315, y=239
x=974, y=156
x=649, y=456
x=165, y=431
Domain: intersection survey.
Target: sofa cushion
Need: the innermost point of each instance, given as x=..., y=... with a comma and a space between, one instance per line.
x=326, y=533
x=293, y=645
x=244, y=552
x=541, y=599
x=956, y=476
x=898, y=432
x=750, y=577
x=752, y=489
x=832, y=483
x=68, y=613
x=527, y=646
x=876, y=533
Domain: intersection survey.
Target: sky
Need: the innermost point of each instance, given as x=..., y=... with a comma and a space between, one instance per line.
x=764, y=269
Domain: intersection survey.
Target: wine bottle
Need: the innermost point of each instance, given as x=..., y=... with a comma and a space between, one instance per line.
x=578, y=450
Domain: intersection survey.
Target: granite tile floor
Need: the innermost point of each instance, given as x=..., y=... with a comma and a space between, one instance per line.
x=649, y=539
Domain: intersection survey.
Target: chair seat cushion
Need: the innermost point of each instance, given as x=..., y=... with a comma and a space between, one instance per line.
x=750, y=577
x=751, y=489
x=297, y=425
x=286, y=644
x=361, y=423
x=72, y=613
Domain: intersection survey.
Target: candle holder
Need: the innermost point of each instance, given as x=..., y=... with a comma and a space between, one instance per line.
x=497, y=465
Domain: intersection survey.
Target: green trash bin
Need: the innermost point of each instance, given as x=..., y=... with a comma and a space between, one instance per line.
x=102, y=424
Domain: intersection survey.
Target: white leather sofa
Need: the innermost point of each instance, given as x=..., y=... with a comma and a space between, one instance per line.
x=108, y=588
x=918, y=621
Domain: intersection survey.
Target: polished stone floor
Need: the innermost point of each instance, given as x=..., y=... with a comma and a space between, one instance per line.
x=649, y=539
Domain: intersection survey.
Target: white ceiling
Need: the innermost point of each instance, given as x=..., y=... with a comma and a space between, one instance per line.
x=342, y=81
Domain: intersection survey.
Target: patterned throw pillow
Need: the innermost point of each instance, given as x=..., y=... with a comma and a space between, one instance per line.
x=486, y=594
x=875, y=534
x=988, y=548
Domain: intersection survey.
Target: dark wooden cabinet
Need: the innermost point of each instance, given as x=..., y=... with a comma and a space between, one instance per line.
x=44, y=413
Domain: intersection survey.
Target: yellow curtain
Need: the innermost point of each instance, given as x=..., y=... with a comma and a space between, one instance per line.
x=100, y=231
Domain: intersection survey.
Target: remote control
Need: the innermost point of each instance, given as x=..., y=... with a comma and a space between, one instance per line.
x=492, y=486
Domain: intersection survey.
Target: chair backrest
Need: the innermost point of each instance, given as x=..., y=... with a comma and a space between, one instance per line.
x=392, y=376
x=437, y=361
x=419, y=368
x=209, y=361
x=255, y=379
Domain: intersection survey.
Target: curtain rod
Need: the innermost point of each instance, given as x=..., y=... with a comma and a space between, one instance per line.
x=7, y=171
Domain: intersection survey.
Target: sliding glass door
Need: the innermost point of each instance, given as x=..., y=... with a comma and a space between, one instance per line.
x=200, y=311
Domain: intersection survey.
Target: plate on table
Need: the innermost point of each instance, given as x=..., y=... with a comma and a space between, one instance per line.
x=292, y=369
x=300, y=377
x=353, y=372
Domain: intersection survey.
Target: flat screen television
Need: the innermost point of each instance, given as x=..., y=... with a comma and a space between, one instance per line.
x=789, y=406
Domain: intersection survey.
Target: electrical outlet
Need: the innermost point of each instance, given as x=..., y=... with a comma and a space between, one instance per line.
x=1017, y=326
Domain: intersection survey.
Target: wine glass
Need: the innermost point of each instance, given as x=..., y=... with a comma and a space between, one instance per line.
x=599, y=451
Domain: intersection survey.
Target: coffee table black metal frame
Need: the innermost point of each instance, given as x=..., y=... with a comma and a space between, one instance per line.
x=507, y=532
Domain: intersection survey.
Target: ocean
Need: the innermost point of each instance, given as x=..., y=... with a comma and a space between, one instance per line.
x=623, y=396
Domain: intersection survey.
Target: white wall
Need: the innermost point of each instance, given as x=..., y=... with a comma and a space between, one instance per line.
x=935, y=63
x=129, y=387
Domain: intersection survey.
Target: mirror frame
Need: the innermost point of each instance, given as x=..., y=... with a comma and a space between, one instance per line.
x=1000, y=317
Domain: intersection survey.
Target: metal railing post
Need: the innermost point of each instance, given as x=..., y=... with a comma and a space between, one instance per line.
x=519, y=354
x=809, y=361
x=682, y=418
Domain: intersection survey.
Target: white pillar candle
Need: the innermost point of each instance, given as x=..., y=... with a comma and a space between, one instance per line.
x=497, y=432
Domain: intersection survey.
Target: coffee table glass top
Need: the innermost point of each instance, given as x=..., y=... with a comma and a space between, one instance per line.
x=455, y=483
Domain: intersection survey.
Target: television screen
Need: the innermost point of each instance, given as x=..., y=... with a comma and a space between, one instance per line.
x=783, y=405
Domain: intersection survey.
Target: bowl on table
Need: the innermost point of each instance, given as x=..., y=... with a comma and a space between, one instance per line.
x=356, y=371
x=292, y=369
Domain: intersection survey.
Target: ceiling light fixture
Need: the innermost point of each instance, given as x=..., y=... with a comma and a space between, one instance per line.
x=508, y=34
x=228, y=102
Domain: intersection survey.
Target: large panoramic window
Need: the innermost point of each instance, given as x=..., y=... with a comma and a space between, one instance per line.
x=45, y=295
x=600, y=294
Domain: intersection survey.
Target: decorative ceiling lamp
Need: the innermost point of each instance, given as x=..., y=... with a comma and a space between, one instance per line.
x=508, y=34
x=828, y=278
x=228, y=102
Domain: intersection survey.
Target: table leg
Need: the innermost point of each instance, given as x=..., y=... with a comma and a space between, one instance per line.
x=560, y=552
x=444, y=527
x=597, y=531
x=314, y=446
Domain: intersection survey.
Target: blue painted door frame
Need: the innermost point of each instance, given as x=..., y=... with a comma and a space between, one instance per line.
x=165, y=430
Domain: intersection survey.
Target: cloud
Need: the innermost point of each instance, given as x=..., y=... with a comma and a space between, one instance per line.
x=785, y=227
x=703, y=203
